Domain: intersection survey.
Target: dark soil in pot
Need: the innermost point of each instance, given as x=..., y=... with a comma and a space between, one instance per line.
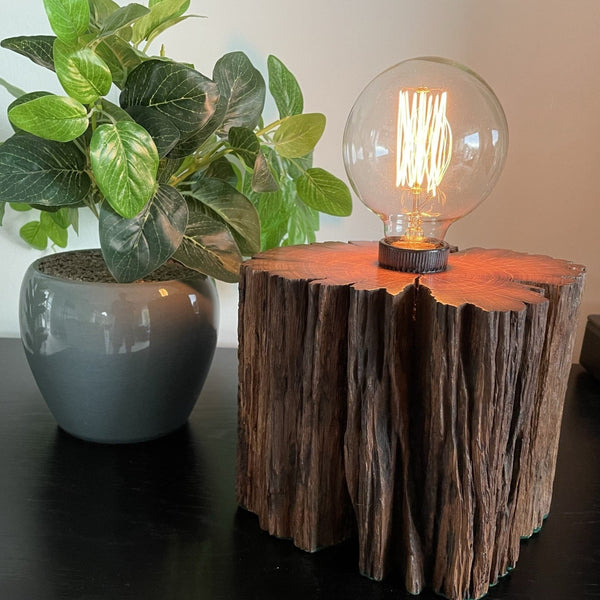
x=89, y=265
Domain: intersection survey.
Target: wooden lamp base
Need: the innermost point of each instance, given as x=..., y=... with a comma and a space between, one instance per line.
x=421, y=411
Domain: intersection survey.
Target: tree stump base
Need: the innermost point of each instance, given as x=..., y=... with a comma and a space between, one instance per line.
x=420, y=411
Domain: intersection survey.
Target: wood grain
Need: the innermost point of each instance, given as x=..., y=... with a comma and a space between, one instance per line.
x=422, y=411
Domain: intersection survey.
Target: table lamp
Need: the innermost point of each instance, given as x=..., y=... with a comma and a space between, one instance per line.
x=424, y=144
x=419, y=413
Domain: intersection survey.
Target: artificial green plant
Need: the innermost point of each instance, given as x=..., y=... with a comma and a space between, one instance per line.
x=182, y=167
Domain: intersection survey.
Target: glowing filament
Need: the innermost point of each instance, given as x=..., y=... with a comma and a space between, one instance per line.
x=424, y=140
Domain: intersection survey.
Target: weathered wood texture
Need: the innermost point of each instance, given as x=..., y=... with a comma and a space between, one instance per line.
x=292, y=409
x=421, y=411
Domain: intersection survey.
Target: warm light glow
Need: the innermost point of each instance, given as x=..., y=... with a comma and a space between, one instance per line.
x=423, y=145
x=163, y=292
x=414, y=244
x=424, y=140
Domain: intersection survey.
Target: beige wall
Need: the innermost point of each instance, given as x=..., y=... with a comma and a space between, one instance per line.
x=541, y=58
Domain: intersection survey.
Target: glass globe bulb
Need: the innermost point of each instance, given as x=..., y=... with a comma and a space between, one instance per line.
x=424, y=144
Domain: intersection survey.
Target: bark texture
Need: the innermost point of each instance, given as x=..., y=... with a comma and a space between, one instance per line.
x=422, y=412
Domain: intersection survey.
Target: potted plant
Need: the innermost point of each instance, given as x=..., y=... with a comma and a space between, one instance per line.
x=185, y=178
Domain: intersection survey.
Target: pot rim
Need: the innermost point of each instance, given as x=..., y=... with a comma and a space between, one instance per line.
x=156, y=283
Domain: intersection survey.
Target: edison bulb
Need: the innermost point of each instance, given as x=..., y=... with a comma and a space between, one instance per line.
x=424, y=144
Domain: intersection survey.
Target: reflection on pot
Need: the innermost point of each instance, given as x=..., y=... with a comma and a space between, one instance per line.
x=34, y=303
x=122, y=330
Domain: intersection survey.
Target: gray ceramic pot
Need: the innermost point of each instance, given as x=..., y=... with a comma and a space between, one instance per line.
x=116, y=362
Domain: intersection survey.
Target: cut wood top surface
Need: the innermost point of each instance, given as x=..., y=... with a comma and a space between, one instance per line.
x=490, y=279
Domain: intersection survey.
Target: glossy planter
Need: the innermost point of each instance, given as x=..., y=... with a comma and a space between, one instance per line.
x=118, y=363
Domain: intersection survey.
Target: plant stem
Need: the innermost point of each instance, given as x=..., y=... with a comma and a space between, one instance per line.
x=270, y=126
x=297, y=165
x=206, y=160
x=199, y=163
x=94, y=119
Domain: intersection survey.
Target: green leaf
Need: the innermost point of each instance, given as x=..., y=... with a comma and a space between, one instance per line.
x=174, y=91
x=133, y=248
x=81, y=72
x=190, y=143
x=2, y=209
x=275, y=163
x=124, y=162
x=61, y=217
x=302, y=224
x=209, y=247
x=122, y=17
x=298, y=135
x=38, y=171
x=73, y=215
x=35, y=235
x=284, y=218
x=223, y=170
x=13, y=90
x=161, y=128
x=284, y=88
x=58, y=118
x=274, y=215
x=26, y=98
x=233, y=209
x=125, y=34
x=160, y=12
x=286, y=168
x=20, y=207
x=37, y=48
x=295, y=167
x=262, y=178
x=295, y=234
x=21, y=100
x=322, y=191
x=68, y=18
x=243, y=89
x=244, y=143
x=53, y=230
x=100, y=10
x=167, y=25
x=120, y=58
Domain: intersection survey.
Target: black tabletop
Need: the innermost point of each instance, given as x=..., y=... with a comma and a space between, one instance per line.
x=159, y=520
